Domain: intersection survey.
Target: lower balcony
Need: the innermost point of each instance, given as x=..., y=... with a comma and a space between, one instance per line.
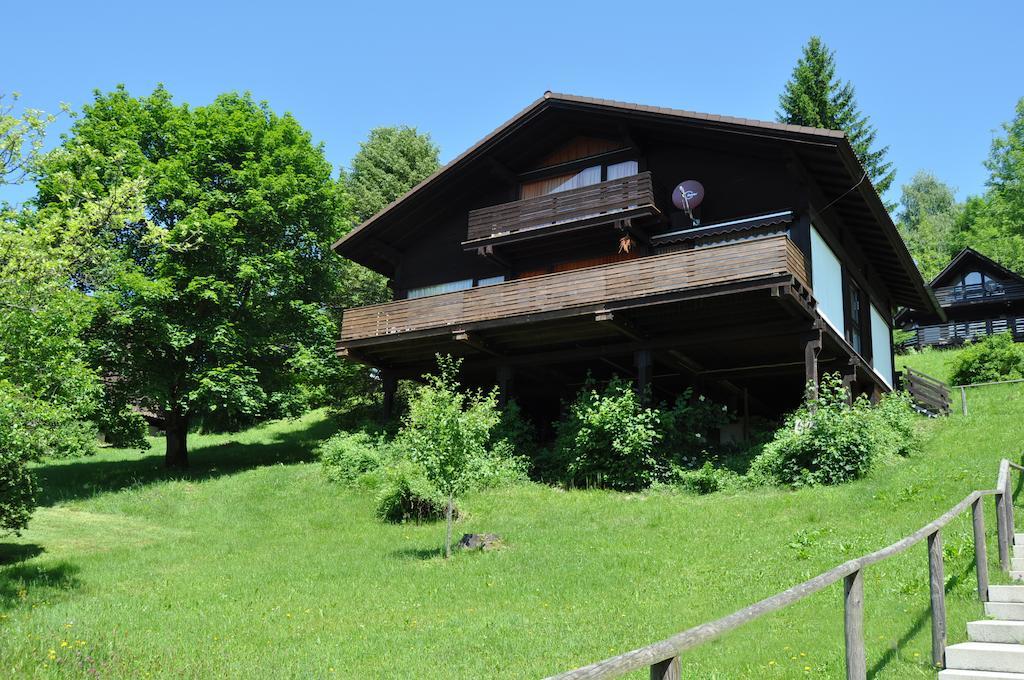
x=632, y=283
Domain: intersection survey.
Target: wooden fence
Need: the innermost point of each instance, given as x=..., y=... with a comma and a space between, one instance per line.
x=929, y=394
x=663, y=657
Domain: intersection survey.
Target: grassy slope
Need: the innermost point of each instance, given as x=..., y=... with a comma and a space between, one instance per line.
x=255, y=567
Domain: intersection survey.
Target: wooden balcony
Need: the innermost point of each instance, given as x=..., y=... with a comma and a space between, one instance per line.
x=975, y=293
x=616, y=199
x=641, y=281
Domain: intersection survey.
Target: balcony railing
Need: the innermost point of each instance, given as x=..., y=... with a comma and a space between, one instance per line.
x=631, y=279
x=615, y=198
x=978, y=292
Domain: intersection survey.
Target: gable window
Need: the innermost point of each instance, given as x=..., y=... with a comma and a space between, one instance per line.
x=585, y=177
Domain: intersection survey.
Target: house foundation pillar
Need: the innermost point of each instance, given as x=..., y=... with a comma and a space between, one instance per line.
x=644, y=364
x=389, y=383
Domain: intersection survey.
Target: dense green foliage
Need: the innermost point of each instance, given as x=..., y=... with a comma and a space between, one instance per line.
x=830, y=441
x=929, y=219
x=994, y=357
x=391, y=161
x=816, y=97
x=214, y=306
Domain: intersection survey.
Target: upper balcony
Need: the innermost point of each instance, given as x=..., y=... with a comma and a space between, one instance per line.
x=562, y=212
x=991, y=291
x=633, y=283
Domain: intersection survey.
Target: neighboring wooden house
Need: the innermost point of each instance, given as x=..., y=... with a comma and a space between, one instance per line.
x=552, y=249
x=979, y=297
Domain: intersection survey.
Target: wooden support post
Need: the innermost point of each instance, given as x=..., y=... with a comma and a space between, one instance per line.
x=642, y=360
x=390, y=384
x=963, y=399
x=1002, y=531
x=669, y=669
x=980, y=550
x=856, y=660
x=505, y=383
x=812, y=345
x=849, y=378
x=937, y=585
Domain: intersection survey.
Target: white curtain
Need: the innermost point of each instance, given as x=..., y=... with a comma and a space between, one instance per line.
x=881, y=346
x=827, y=282
x=439, y=288
x=623, y=169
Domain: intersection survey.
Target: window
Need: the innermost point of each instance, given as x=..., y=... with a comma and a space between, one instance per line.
x=582, y=178
x=855, y=329
x=490, y=281
x=973, y=279
x=827, y=282
x=439, y=288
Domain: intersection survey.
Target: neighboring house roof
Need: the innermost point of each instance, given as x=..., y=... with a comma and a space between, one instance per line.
x=968, y=258
x=827, y=154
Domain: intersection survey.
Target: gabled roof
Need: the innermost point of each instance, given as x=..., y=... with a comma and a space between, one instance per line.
x=969, y=258
x=826, y=154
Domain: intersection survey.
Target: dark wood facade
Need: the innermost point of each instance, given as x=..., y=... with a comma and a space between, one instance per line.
x=552, y=249
x=978, y=296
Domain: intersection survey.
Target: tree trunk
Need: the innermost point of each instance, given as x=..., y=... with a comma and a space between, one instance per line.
x=176, y=455
x=448, y=531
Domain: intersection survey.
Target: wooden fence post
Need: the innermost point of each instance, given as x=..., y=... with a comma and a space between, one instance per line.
x=669, y=669
x=1008, y=504
x=980, y=550
x=963, y=399
x=853, y=627
x=1001, y=530
x=937, y=585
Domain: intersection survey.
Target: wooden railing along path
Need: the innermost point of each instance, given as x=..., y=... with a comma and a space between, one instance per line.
x=663, y=657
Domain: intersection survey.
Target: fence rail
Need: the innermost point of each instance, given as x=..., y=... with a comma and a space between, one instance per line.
x=929, y=394
x=663, y=658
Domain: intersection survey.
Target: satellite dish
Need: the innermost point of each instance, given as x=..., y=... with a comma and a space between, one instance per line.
x=688, y=195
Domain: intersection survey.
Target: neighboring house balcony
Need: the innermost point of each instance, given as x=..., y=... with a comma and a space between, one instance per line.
x=990, y=291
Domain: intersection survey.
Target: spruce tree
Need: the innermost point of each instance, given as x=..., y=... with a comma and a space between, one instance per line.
x=816, y=97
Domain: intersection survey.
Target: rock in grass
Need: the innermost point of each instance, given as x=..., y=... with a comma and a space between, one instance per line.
x=480, y=542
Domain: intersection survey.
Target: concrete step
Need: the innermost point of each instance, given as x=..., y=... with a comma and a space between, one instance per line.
x=959, y=674
x=1006, y=593
x=1018, y=549
x=1018, y=538
x=1007, y=632
x=986, y=656
x=1016, y=575
x=1007, y=611
x=1017, y=563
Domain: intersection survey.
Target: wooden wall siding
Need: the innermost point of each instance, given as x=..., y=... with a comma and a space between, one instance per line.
x=579, y=147
x=639, y=278
x=565, y=206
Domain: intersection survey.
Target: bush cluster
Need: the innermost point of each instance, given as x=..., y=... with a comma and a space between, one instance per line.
x=830, y=441
x=609, y=437
x=996, y=357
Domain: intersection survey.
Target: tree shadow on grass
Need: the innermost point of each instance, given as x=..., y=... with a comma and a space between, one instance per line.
x=19, y=581
x=923, y=619
x=85, y=477
x=12, y=553
x=418, y=553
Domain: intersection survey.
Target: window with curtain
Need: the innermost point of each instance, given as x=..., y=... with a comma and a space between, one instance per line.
x=552, y=185
x=439, y=288
x=856, y=319
x=623, y=169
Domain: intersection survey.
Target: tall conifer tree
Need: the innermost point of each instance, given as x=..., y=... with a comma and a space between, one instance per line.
x=816, y=97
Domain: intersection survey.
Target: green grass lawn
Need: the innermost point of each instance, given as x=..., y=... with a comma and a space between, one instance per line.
x=252, y=566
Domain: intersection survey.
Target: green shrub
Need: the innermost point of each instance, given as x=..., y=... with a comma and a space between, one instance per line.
x=346, y=457
x=706, y=479
x=688, y=428
x=514, y=428
x=996, y=357
x=607, y=438
x=407, y=494
x=828, y=441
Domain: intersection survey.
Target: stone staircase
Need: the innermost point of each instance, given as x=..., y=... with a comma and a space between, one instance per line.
x=995, y=650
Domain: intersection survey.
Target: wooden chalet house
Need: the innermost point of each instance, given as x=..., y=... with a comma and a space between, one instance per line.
x=978, y=296
x=552, y=249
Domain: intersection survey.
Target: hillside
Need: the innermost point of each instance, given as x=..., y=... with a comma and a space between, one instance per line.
x=253, y=566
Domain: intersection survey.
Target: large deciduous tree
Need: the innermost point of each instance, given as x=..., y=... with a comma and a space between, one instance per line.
x=816, y=97
x=995, y=221
x=928, y=219
x=216, y=301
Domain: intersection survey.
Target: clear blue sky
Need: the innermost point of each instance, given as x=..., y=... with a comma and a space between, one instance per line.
x=937, y=78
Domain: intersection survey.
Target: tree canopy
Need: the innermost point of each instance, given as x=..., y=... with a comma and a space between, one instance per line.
x=815, y=96
x=214, y=304
x=929, y=221
x=390, y=162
